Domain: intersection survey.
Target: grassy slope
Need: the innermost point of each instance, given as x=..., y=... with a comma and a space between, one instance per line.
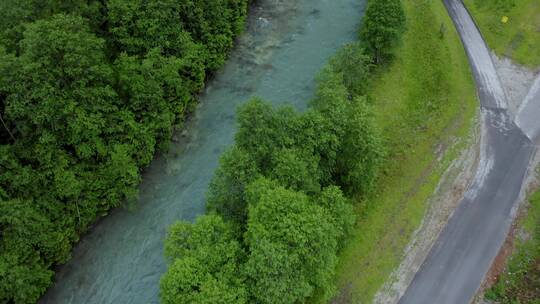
x=425, y=98
x=519, y=38
x=520, y=283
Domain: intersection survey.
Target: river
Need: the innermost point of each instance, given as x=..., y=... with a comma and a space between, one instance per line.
x=285, y=44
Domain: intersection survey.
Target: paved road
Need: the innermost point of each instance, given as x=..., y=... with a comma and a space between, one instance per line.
x=459, y=260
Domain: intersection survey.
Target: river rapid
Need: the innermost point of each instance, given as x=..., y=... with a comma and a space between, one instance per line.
x=285, y=44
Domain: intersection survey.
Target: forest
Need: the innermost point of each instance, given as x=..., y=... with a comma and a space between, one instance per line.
x=280, y=205
x=89, y=91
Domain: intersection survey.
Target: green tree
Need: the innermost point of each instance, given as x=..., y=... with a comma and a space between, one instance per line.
x=357, y=149
x=137, y=27
x=210, y=233
x=67, y=117
x=189, y=281
x=6, y=68
x=205, y=258
x=61, y=87
x=354, y=66
x=204, y=31
x=214, y=24
x=226, y=194
x=265, y=133
x=262, y=130
x=330, y=107
x=16, y=14
x=340, y=210
x=28, y=241
x=58, y=102
x=155, y=91
x=383, y=24
x=268, y=187
x=292, y=247
x=296, y=170
x=361, y=152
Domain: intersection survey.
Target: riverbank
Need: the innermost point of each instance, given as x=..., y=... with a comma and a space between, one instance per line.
x=511, y=28
x=425, y=104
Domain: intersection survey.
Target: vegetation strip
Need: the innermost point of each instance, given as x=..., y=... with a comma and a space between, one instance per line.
x=424, y=102
x=279, y=204
x=88, y=91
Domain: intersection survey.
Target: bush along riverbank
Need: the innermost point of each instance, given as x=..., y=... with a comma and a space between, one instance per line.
x=281, y=203
x=88, y=91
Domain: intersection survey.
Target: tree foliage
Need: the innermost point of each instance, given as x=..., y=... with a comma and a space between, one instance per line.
x=15, y=15
x=226, y=195
x=205, y=264
x=88, y=91
x=383, y=24
x=292, y=247
x=352, y=63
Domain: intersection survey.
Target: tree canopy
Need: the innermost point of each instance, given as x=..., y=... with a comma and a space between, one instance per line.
x=88, y=91
x=205, y=267
x=292, y=246
x=383, y=24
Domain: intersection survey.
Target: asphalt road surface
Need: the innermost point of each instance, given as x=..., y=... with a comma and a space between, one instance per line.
x=466, y=248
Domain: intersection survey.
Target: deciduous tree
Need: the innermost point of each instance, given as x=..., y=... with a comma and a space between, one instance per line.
x=383, y=23
x=205, y=264
x=292, y=247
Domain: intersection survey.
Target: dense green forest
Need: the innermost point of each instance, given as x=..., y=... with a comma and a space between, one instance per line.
x=280, y=204
x=88, y=91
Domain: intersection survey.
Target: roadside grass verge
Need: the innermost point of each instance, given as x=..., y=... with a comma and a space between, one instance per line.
x=520, y=282
x=519, y=37
x=425, y=103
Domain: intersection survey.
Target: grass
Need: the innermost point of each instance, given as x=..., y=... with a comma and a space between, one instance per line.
x=424, y=100
x=519, y=38
x=520, y=282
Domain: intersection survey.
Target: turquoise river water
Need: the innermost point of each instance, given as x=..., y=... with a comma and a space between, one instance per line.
x=285, y=45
